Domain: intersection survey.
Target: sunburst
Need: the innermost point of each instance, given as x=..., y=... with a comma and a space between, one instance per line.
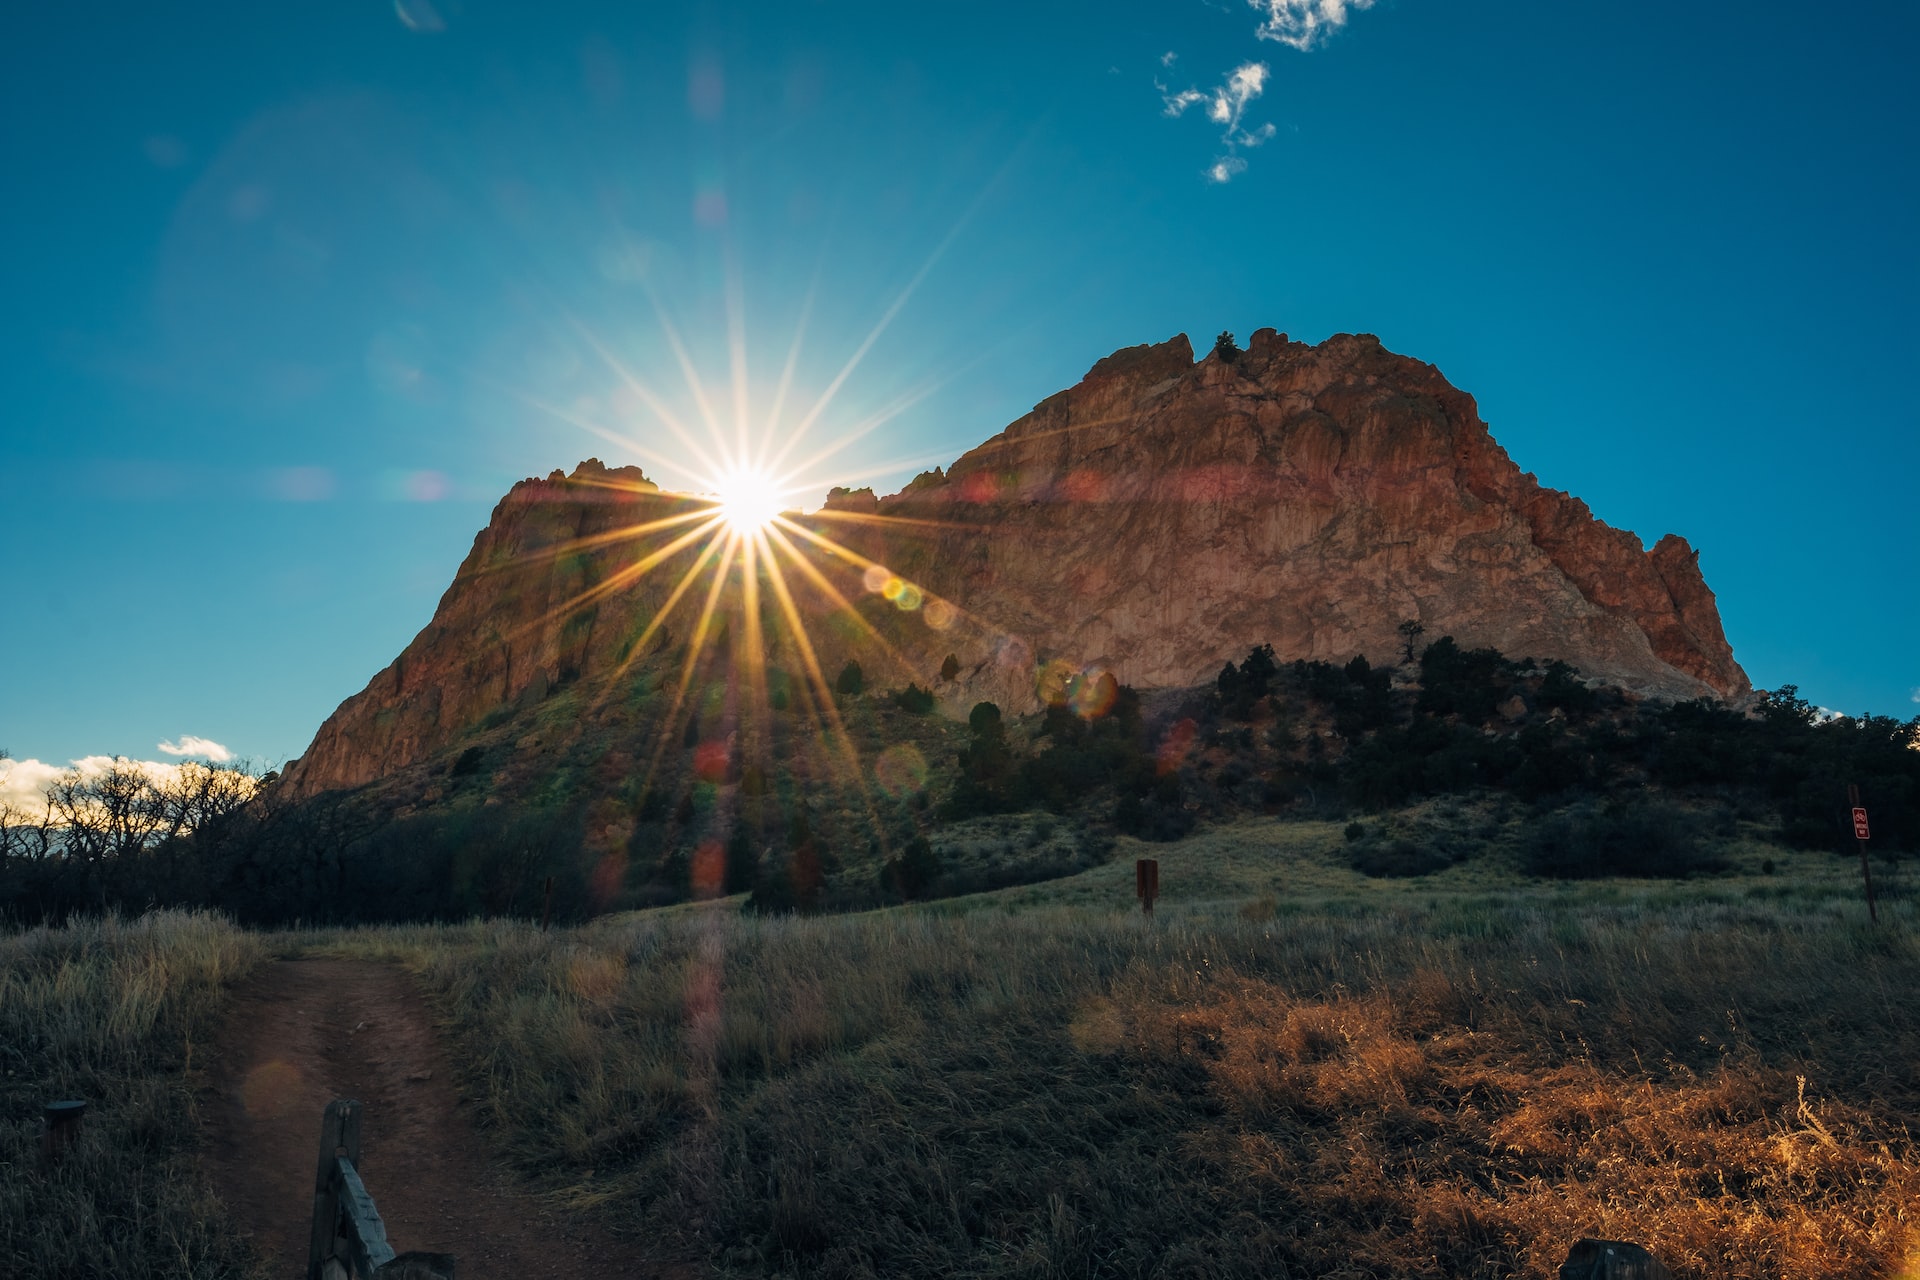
x=746, y=570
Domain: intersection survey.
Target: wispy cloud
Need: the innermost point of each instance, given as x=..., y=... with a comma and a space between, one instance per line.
x=1301, y=24
x=1298, y=24
x=1177, y=103
x=205, y=748
x=1226, y=106
x=1224, y=169
x=1914, y=693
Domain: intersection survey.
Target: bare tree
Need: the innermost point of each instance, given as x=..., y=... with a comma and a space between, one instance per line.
x=22, y=836
x=195, y=794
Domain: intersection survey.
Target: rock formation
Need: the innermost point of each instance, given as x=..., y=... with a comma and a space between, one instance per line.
x=1156, y=520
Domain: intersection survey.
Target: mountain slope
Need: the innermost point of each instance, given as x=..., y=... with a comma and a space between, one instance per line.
x=1155, y=520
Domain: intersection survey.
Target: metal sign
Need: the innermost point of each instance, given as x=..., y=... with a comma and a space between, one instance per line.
x=1860, y=824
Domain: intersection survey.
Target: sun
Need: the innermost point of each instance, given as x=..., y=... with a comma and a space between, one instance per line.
x=749, y=500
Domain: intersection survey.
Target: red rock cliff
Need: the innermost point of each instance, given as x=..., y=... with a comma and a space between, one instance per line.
x=1155, y=520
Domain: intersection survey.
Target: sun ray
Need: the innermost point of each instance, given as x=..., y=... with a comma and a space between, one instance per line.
x=646, y=394
x=695, y=644
x=856, y=775
x=691, y=375
x=826, y=588
x=589, y=542
x=888, y=521
x=659, y=619
x=786, y=373
x=737, y=355
x=605, y=433
x=619, y=579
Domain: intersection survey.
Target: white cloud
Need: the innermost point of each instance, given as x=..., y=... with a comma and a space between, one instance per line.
x=1177, y=103
x=1223, y=169
x=1301, y=24
x=1298, y=24
x=205, y=748
x=1914, y=693
x=1227, y=107
x=24, y=783
x=1247, y=82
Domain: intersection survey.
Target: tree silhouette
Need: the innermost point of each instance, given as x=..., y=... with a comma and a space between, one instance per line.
x=1409, y=632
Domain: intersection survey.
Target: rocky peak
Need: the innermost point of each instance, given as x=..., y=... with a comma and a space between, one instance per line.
x=1156, y=519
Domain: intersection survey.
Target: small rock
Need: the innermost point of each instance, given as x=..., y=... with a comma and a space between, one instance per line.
x=419, y=1076
x=1591, y=1259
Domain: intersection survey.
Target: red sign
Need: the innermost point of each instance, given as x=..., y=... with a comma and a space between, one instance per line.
x=1859, y=823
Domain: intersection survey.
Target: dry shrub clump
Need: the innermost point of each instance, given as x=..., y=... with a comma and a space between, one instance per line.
x=111, y=1012
x=1418, y=1092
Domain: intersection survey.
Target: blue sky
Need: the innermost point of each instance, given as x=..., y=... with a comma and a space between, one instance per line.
x=294, y=292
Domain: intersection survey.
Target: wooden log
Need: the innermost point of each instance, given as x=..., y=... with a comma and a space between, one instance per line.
x=339, y=1135
x=415, y=1265
x=367, y=1245
x=1591, y=1259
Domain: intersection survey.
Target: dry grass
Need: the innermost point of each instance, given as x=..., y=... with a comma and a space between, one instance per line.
x=110, y=1012
x=1342, y=1079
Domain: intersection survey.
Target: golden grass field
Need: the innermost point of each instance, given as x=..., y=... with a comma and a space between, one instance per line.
x=1292, y=1071
x=112, y=1013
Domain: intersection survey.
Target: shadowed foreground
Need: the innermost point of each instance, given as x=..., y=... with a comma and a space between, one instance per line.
x=304, y=1032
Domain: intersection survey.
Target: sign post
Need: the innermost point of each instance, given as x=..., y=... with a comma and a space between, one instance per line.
x=1862, y=833
x=1146, y=883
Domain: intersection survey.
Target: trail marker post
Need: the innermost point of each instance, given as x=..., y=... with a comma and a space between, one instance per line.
x=63, y=1127
x=1146, y=883
x=1861, y=834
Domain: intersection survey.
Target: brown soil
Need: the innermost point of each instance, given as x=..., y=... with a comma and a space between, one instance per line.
x=304, y=1032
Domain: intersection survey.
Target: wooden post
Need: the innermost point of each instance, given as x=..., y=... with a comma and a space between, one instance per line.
x=1859, y=825
x=546, y=912
x=1146, y=883
x=63, y=1127
x=339, y=1136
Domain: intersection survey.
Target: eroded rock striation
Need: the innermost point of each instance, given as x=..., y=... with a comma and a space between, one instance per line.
x=1156, y=520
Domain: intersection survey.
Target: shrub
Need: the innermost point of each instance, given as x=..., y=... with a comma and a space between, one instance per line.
x=1642, y=838
x=1398, y=857
x=914, y=699
x=851, y=679
x=914, y=872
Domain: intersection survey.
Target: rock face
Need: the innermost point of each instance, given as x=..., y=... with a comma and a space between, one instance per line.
x=1154, y=521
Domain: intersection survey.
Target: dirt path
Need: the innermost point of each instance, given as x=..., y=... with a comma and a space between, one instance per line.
x=304, y=1032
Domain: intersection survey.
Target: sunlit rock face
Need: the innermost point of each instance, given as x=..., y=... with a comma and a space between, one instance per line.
x=1156, y=520
x=1163, y=516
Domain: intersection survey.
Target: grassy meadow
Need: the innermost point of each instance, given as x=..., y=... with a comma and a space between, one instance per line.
x=1292, y=1071
x=113, y=1012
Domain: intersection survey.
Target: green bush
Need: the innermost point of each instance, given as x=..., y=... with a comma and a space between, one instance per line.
x=1397, y=857
x=914, y=700
x=1644, y=837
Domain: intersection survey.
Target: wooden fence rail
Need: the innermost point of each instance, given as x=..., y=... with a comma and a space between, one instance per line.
x=349, y=1239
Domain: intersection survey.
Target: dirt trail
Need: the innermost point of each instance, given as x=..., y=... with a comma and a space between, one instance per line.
x=304, y=1032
